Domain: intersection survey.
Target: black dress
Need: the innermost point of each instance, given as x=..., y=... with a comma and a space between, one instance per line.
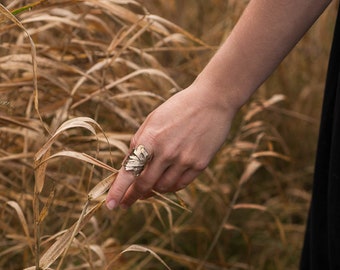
x=321, y=249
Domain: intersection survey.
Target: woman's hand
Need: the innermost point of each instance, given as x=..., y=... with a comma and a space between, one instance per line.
x=182, y=135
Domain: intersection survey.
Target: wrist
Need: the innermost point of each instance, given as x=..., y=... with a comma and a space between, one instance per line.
x=220, y=93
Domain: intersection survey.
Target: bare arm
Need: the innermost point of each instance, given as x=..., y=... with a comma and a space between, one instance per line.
x=185, y=132
x=263, y=36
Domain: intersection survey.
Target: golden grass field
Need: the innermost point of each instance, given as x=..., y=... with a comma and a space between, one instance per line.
x=78, y=77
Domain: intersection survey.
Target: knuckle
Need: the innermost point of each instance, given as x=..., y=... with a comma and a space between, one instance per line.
x=200, y=165
x=193, y=162
x=148, y=135
x=160, y=189
x=169, y=154
x=164, y=184
x=142, y=187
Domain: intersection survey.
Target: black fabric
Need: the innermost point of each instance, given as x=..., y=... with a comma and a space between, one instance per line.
x=321, y=249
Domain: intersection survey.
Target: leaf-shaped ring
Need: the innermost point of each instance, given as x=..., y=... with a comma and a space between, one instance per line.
x=137, y=160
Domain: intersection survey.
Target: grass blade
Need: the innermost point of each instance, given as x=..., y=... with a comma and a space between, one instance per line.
x=23, y=221
x=139, y=248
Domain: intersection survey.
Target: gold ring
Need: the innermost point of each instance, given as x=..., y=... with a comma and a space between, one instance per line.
x=137, y=160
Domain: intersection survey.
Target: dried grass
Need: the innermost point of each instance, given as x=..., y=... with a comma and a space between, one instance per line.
x=77, y=77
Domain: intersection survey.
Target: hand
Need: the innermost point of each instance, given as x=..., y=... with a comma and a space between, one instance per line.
x=182, y=135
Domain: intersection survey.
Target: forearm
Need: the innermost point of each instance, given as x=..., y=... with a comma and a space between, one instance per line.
x=265, y=33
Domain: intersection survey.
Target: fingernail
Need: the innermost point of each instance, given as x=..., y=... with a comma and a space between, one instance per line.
x=111, y=205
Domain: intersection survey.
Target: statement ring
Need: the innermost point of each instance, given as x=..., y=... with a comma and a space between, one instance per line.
x=137, y=160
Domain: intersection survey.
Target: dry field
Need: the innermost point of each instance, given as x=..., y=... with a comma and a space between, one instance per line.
x=77, y=78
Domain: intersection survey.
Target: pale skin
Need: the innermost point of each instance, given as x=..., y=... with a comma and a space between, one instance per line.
x=186, y=131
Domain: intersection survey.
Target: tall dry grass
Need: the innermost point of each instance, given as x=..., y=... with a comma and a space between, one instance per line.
x=77, y=77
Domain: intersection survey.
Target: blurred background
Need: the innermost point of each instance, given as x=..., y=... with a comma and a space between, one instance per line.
x=113, y=62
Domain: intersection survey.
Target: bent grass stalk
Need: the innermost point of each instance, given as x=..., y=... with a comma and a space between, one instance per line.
x=113, y=63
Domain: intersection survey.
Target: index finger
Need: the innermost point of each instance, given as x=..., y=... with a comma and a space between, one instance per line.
x=133, y=166
x=119, y=187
